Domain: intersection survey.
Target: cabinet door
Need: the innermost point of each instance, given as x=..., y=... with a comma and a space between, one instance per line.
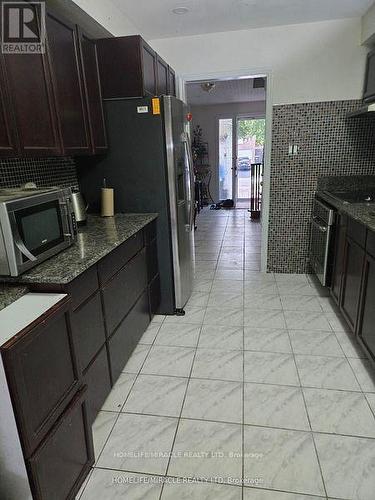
x=27, y=80
x=8, y=137
x=171, y=81
x=60, y=465
x=120, y=294
x=93, y=93
x=351, y=284
x=42, y=374
x=162, y=76
x=127, y=335
x=366, y=328
x=341, y=224
x=98, y=381
x=148, y=58
x=63, y=46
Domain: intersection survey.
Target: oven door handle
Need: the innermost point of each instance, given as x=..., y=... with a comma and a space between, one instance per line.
x=22, y=248
x=322, y=229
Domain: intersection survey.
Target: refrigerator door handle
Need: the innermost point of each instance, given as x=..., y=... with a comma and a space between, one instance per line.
x=191, y=178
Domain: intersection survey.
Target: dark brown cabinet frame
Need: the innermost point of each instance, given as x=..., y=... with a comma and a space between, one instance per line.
x=351, y=288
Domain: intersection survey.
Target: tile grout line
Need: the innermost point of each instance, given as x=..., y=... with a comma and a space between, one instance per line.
x=308, y=415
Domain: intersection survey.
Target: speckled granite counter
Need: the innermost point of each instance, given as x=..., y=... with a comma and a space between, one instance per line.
x=361, y=212
x=94, y=241
x=10, y=293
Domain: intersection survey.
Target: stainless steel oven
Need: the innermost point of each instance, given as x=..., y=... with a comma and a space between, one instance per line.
x=34, y=225
x=321, y=241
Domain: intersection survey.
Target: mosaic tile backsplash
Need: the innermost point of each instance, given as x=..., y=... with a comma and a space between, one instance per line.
x=329, y=144
x=45, y=172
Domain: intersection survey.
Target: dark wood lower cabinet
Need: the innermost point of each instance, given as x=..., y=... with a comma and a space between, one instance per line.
x=61, y=462
x=351, y=284
x=366, y=327
x=61, y=369
x=127, y=335
x=341, y=224
x=98, y=381
x=88, y=329
x=42, y=374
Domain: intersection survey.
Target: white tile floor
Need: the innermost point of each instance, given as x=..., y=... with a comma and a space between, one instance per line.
x=259, y=380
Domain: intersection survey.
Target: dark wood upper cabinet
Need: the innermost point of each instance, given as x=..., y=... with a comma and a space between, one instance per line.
x=29, y=98
x=8, y=139
x=129, y=67
x=149, y=69
x=162, y=76
x=67, y=79
x=93, y=93
x=171, y=82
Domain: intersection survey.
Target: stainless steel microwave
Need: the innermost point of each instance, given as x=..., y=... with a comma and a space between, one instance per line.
x=34, y=225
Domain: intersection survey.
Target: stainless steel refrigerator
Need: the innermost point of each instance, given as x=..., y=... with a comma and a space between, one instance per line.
x=150, y=167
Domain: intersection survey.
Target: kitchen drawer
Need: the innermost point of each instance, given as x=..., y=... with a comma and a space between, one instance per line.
x=112, y=263
x=122, y=291
x=357, y=232
x=150, y=232
x=152, y=260
x=61, y=463
x=88, y=329
x=42, y=374
x=97, y=379
x=154, y=295
x=127, y=335
x=83, y=286
x=371, y=243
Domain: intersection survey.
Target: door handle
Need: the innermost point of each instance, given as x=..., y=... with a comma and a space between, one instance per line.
x=191, y=179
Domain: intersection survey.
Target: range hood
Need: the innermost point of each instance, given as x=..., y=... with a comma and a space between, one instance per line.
x=366, y=110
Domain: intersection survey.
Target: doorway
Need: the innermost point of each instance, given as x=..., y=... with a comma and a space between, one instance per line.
x=240, y=160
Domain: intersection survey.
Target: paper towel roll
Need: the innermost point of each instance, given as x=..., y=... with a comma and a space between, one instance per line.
x=107, y=202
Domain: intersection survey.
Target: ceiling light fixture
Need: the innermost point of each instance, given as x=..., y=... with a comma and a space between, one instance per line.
x=180, y=11
x=208, y=86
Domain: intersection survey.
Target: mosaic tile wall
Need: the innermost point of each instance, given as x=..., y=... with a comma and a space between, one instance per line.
x=51, y=171
x=329, y=144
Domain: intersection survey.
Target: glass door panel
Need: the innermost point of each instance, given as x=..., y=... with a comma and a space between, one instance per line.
x=249, y=151
x=225, y=158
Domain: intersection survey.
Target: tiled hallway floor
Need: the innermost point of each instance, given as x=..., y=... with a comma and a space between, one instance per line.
x=259, y=380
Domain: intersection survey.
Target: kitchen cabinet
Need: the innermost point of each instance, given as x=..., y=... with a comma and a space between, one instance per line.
x=56, y=109
x=98, y=381
x=171, y=81
x=162, y=73
x=42, y=374
x=64, y=52
x=60, y=464
x=93, y=93
x=351, y=284
x=366, y=323
x=8, y=140
x=340, y=224
x=30, y=105
x=129, y=67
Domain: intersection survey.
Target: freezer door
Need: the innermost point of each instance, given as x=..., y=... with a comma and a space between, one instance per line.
x=181, y=199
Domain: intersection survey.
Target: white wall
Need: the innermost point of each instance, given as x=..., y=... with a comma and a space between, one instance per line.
x=207, y=117
x=368, y=26
x=309, y=62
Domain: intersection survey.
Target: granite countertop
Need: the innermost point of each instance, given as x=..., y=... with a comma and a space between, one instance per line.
x=361, y=212
x=94, y=241
x=10, y=293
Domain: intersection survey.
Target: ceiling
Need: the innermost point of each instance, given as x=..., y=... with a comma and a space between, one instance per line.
x=225, y=91
x=155, y=19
